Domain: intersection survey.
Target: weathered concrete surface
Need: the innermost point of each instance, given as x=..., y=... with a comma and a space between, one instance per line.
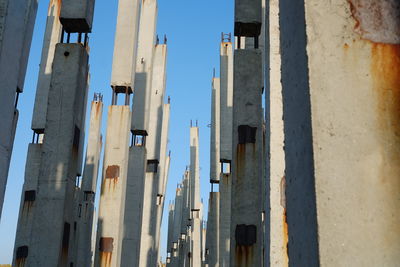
x=248, y=18
x=89, y=186
x=225, y=187
x=28, y=200
x=170, y=235
x=113, y=189
x=125, y=45
x=278, y=225
x=144, y=66
x=17, y=19
x=215, y=131
x=247, y=171
x=52, y=36
x=212, y=237
x=77, y=16
x=57, y=171
x=340, y=73
x=226, y=100
x=134, y=206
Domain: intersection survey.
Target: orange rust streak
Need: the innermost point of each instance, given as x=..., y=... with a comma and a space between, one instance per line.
x=105, y=259
x=385, y=70
x=285, y=239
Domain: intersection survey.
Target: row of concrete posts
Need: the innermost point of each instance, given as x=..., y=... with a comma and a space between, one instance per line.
x=57, y=224
x=316, y=182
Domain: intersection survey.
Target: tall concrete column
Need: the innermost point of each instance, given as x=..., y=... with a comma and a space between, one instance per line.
x=341, y=84
x=89, y=185
x=170, y=234
x=212, y=238
x=144, y=66
x=215, y=131
x=226, y=109
x=113, y=189
x=195, y=204
x=278, y=225
x=58, y=167
x=17, y=20
x=153, y=195
x=52, y=36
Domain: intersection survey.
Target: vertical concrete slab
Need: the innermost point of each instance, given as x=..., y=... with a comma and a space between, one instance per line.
x=247, y=171
x=58, y=166
x=215, y=131
x=278, y=225
x=177, y=226
x=195, y=204
x=225, y=187
x=134, y=206
x=212, y=238
x=226, y=101
x=157, y=136
x=16, y=27
x=170, y=235
x=89, y=186
x=125, y=45
x=113, y=189
x=52, y=36
x=28, y=202
x=340, y=84
x=144, y=66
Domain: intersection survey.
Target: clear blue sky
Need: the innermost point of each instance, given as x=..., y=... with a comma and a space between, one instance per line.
x=193, y=29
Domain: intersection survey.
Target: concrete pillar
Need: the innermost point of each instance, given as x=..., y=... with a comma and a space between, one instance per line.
x=195, y=204
x=113, y=189
x=89, y=185
x=58, y=166
x=154, y=181
x=17, y=19
x=144, y=66
x=176, y=227
x=170, y=235
x=278, y=225
x=125, y=46
x=215, y=131
x=212, y=238
x=226, y=108
x=340, y=84
x=52, y=36
x=247, y=171
x=134, y=205
x=184, y=233
x=203, y=242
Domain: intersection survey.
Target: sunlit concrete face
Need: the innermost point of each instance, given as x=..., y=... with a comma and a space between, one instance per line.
x=52, y=36
x=340, y=80
x=113, y=189
x=58, y=163
x=17, y=19
x=144, y=66
x=89, y=186
x=215, y=131
x=247, y=165
x=212, y=237
x=125, y=46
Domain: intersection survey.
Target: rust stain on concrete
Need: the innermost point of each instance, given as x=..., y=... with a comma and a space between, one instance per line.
x=105, y=259
x=285, y=239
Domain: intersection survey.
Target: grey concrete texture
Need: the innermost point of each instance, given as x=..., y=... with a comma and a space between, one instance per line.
x=194, y=178
x=226, y=100
x=17, y=19
x=125, y=45
x=341, y=156
x=278, y=226
x=77, y=16
x=134, y=206
x=28, y=196
x=88, y=188
x=212, y=237
x=57, y=171
x=144, y=66
x=224, y=224
x=247, y=166
x=52, y=36
x=248, y=18
x=215, y=130
x=110, y=229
